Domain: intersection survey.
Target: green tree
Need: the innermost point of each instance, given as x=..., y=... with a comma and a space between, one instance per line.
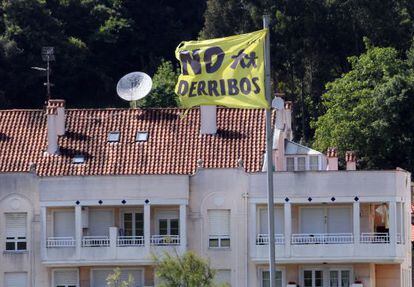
x=370, y=110
x=114, y=279
x=184, y=271
x=162, y=94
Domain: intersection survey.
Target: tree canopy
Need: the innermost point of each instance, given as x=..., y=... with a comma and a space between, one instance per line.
x=186, y=270
x=370, y=110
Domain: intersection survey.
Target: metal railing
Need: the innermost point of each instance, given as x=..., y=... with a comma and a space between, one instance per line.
x=375, y=237
x=165, y=240
x=263, y=239
x=322, y=238
x=123, y=241
x=60, y=242
x=95, y=241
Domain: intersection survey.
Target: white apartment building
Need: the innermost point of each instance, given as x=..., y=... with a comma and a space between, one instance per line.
x=85, y=191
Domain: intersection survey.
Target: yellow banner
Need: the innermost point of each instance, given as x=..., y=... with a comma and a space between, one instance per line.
x=226, y=71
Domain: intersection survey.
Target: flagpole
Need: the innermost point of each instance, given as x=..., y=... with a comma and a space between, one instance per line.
x=269, y=159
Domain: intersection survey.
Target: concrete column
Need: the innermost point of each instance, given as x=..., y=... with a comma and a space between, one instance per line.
x=147, y=226
x=393, y=222
x=288, y=227
x=78, y=230
x=183, y=227
x=357, y=222
x=43, y=224
x=113, y=236
x=252, y=228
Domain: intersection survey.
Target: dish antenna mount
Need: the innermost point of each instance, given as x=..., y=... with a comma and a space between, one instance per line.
x=134, y=86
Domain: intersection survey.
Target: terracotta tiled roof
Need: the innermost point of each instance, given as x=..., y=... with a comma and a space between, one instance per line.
x=174, y=145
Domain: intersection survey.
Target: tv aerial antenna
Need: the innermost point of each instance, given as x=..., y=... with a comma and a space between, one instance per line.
x=134, y=86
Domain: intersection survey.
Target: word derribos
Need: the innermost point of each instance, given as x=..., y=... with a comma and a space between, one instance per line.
x=212, y=62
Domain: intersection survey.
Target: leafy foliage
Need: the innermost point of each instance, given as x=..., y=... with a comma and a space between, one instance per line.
x=162, y=93
x=370, y=110
x=184, y=271
x=96, y=42
x=114, y=279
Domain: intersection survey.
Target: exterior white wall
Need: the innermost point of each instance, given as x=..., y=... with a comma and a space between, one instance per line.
x=19, y=193
x=220, y=189
x=230, y=189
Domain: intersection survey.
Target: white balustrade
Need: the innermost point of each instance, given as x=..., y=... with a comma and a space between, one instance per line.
x=95, y=241
x=263, y=239
x=60, y=242
x=123, y=241
x=322, y=238
x=162, y=240
x=375, y=237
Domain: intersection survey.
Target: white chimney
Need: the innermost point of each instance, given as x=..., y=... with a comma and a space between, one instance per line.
x=288, y=119
x=61, y=117
x=208, y=120
x=52, y=144
x=350, y=158
x=332, y=155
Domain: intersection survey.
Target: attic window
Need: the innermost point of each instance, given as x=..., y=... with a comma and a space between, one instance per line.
x=113, y=137
x=78, y=159
x=141, y=137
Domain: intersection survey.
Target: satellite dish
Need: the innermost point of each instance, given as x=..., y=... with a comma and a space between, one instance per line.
x=134, y=86
x=278, y=103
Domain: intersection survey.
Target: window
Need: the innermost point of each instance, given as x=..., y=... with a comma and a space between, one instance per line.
x=15, y=279
x=169, y=227
x=133, y=223
x=219, y=222
x=113, y=137
x=78, y=159
x=141, y=137
x=339, y=278
x=312, y=278
x=223, y=277
x=290, y=164
x=301, y=163
x=266, y=278
x=65, y=278
x=314, y=162
x=16, y=231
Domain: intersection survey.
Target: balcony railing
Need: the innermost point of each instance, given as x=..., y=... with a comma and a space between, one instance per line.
x=60, y=242
x=322, y=238
x=165, y=240
x=123, y=241
x=95, y=241
x=375, y=237
x=263, y=239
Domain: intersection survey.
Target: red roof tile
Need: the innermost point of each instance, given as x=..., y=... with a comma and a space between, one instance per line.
x=174, y=145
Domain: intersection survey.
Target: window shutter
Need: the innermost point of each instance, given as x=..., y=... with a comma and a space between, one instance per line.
x=18, y=279
x=136, y=275
x=219, y=222
x=340, y=220
x=99, y=277
x=66, y=277
x=279, y=221
x=16, y=224
x=223, y=277
x=64, y=223
x=100, y=221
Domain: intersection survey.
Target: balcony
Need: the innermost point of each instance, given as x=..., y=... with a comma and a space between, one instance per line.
x=136, y=238
x=329, y=246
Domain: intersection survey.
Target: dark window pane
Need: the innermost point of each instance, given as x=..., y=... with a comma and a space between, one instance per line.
x=139, y=224
x=174, y=226
x=10, y=246
x=21, y=245
x=163, y=227
x=213, y=243
x=225, y=242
